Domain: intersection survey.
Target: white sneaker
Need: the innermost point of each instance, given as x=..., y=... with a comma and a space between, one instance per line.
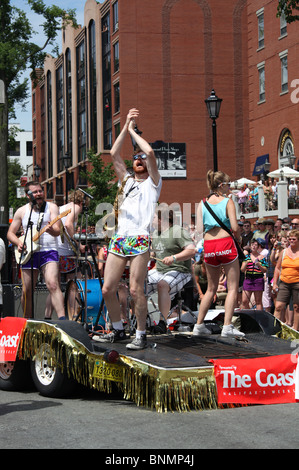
x=229, y=330
x=201, y=329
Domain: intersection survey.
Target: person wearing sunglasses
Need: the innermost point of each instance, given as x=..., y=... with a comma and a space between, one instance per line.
x=130, y=242
x=287, y=270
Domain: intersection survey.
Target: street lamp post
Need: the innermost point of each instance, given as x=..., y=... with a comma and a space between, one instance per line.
x=213, y=105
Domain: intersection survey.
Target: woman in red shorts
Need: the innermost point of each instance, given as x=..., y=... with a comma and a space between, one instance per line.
x=219, y=250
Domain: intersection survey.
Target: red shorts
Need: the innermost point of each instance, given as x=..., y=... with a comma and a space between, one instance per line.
x=220, y=251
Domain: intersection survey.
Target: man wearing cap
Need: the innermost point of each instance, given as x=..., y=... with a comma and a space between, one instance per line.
x=261, y=230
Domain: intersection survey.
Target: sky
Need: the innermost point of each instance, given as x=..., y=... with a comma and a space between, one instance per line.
x=24, y=118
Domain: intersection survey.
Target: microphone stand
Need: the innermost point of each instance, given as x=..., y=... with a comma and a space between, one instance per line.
x=29, y=225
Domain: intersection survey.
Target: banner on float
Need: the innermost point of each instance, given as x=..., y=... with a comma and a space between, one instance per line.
x=11, y=329
x=263, y=380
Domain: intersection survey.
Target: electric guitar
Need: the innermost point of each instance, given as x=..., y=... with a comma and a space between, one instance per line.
x=35, y=237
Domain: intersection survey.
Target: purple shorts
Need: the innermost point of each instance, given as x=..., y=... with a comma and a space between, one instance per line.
x=40, y=258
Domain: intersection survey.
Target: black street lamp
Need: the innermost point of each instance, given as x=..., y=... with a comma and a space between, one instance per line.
x=37, y=171
x=213, y=105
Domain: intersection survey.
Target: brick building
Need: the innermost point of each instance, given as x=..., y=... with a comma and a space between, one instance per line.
x=165, y=57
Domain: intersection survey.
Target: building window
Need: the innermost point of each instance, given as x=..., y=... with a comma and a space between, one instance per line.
x=68, y=104
x=116, y=98
x=115, y=16
x=260, y=20
x=29, y=148
x=284, y=71
x=14, y=149
x=93, y=85
x=59, y=118
x=283, y=25
x=106, y=80
x=261, y=72
x=81, y=95
x=116, y=130
x=49, y=121
x=116, y=57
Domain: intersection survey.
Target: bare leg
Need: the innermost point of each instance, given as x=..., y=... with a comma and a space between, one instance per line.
x=114, y=268
x=138, y=271
x=26, y=299
x=51, y=276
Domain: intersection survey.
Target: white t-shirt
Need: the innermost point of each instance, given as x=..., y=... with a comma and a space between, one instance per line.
x=137, y=206
x=46, y=241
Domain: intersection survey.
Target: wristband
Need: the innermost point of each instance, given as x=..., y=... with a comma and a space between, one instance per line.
x=174, y=258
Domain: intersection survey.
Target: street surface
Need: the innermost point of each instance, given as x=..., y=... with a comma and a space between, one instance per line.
x=93, y=420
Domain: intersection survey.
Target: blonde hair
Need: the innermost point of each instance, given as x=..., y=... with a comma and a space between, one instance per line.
x=76, y=196
x=294, y=233
x=214, y=179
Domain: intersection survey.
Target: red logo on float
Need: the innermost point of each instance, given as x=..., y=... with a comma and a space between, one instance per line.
x=262, y=380
x=10, y=332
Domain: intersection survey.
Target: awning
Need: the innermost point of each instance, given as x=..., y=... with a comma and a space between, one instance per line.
x=259, y=164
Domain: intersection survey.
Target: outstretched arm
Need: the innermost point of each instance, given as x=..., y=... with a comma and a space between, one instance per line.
x=118, y=163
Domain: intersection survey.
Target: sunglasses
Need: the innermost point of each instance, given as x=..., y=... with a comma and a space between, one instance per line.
x=292, y=239
x=139, y=155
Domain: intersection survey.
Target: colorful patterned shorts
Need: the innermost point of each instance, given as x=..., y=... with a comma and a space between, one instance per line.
x=66, y=264
x=128, y=246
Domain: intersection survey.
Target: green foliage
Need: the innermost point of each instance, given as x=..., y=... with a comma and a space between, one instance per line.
x=103, y=186
x=15, y=172
x=289, y=8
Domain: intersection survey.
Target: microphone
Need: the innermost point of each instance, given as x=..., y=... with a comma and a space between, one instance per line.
x=31, y=197
x=86, y=194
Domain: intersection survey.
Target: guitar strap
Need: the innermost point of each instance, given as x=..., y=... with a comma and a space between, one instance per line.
x=41, y=216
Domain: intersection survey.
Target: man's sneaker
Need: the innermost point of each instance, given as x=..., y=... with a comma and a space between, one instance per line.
x=229, y=330
x=201, y=329
x=138, y=343
x=111, y=337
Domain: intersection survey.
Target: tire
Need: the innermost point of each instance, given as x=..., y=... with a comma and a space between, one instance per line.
x=15, y=376
x=49, y=380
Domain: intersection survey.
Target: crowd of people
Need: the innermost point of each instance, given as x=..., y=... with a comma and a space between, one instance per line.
x=248, y=196
x=251, y=264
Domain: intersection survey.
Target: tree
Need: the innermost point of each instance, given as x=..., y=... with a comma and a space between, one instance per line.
x=289, y=9
x=15, y=171
x=18, y=52
x=102, y=182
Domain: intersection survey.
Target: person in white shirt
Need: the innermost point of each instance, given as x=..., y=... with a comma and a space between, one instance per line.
x=293, y=190
x=2, y=261
x=136, y=209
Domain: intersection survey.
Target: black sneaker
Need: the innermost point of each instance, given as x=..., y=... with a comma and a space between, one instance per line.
x=111, y=337
x=138, y=343
x=160, y=328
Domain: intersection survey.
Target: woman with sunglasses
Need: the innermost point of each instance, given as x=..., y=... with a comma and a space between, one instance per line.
x=130, y=242
x=287, y=270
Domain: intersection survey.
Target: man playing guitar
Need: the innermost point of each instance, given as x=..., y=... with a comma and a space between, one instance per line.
x=45, y=219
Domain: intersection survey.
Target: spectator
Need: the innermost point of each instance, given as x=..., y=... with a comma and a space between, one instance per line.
x=2, y=261
x=243, y=197
x=287, y=268
x=292, y=189
x=295, y=224
x=247, y=234
x=277, y=225
x=254, y=269
x=261, y=229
